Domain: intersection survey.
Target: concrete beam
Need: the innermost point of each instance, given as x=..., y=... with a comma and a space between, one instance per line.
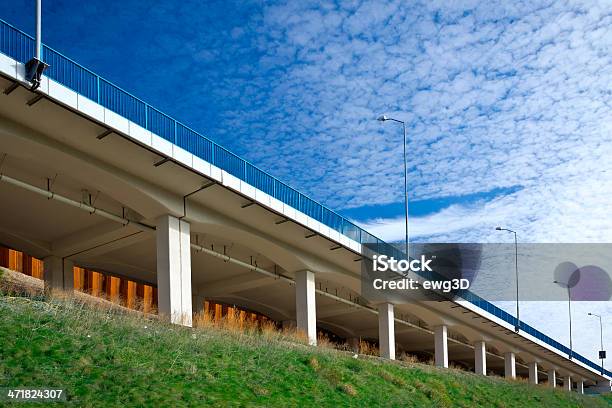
x=58, y=273
x=244, y=281
x=480, y=358
x=273, y=312
x=174, y=270
x=97, y=238
x=125, y=187
x=339, y=329
x=510, y=365
x=336, y=310
x=441, y=346
x=533, y=372
x=305, y=306
x=37, y=248
x=286, y=255
x=122, y=242
x=386, y=330
x=552, y=378
x=404, y=328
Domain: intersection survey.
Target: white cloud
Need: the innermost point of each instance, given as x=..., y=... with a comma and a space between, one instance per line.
x=496, y=95
x=578, y=212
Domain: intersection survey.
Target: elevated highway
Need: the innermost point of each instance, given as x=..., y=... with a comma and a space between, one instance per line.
x=94, y=177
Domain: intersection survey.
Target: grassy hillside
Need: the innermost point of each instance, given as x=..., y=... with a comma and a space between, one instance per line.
x=106, y=357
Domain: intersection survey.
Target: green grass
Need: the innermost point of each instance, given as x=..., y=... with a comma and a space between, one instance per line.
x=105, y=358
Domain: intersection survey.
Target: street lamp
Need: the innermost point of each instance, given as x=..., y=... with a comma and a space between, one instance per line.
x=384, y=118
x=35, y=67
x=602, y=352
x=569, y=308
x=518, y=316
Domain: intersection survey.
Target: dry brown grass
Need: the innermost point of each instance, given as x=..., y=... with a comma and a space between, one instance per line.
x=368, y=349
x=203, y=320
x=299, y=335
x=408, y=358
x=324, y=342
x=233, y=321
x=348, y=389
x=237, y=323
x=521, y=380
x=18, y=284
x=456, y=366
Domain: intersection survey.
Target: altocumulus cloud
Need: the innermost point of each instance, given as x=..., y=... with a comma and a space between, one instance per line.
x=496, y=94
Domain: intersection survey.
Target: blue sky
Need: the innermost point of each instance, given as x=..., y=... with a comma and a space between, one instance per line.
x=508, y=104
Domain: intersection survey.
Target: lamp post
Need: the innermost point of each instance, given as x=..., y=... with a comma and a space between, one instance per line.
x=37, y=54
x=384, y=118
x=569, y=309
x=518, y=316
x=602, y=353
x=35, y=67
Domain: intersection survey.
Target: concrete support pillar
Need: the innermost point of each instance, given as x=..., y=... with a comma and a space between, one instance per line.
x=567, y=382
x=305, y=307
x=580, y=386
x=58, y=274
x=174, y=270
x=480, y=358
x=386, y=330
x=510, y=365
x=533, y=372
x=552, y=378
x=441, y=346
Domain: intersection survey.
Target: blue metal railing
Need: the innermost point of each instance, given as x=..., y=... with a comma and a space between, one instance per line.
x=20, y=46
